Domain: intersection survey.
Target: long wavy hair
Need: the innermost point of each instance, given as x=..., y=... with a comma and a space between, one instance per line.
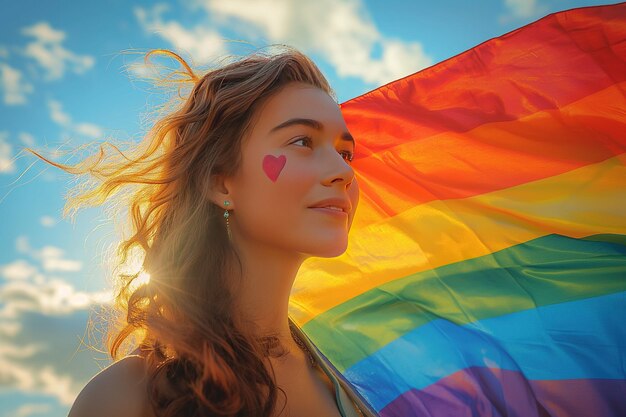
x=203, y=359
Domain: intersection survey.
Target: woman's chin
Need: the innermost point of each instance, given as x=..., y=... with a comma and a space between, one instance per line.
x=331, y=249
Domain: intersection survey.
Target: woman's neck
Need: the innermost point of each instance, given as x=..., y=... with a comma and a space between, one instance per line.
x=262, y=293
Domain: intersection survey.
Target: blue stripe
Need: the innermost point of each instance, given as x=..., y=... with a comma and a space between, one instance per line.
x=575, y=340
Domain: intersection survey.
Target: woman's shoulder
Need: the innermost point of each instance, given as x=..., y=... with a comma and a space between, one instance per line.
x=117, y=390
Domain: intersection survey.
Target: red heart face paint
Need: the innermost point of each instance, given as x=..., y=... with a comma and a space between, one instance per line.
x=272, y=165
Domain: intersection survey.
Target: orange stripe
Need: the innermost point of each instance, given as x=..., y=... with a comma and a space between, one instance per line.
x=491, y=157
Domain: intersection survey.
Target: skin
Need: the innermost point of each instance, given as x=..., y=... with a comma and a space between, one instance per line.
x=272, y=227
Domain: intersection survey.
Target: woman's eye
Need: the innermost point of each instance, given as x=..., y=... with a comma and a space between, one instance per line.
x=304, y=138
x=347, y=155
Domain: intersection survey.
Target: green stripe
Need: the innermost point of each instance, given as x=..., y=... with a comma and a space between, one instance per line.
x=547, y=270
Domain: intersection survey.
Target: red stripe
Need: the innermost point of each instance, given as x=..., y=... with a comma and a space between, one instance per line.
x=563, y=58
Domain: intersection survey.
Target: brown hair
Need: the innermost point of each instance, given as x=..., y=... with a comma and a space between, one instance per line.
x=202, y=359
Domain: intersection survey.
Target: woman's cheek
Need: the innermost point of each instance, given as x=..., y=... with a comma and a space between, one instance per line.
x=273, y=166
x=289, y=176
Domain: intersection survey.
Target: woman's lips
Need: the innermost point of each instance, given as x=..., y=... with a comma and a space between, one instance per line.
x=333, y=212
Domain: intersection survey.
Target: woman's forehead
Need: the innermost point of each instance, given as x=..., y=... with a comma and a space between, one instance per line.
x=299, y=102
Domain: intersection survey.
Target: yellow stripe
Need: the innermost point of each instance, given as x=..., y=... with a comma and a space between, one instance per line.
x=578, y=203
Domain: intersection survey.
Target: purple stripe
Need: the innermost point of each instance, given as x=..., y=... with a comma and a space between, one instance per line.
x=490, y=392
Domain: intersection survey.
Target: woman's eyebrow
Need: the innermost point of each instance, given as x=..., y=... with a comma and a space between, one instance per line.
x=311, y=123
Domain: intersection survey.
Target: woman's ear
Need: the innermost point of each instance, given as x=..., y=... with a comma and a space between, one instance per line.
x=218, y=191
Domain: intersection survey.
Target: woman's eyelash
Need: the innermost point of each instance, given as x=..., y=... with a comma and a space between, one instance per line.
x=349, y=155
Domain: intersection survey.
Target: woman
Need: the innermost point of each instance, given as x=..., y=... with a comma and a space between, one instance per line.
x=231, y=192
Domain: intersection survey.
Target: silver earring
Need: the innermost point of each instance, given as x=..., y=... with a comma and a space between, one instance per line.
x=226, y=215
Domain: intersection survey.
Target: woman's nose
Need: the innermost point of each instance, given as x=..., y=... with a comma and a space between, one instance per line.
x=339, y=169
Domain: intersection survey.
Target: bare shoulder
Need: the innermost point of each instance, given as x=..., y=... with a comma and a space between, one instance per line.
x=117, y=390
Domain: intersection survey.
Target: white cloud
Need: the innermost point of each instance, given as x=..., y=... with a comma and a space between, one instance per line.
x=47, y=50
x=340, y=32
x=141, y=70
x=51, y=257
x=57, y=114
x=21, y=352
x=9, y=329
x=202, y=42
x=346, y=39
x=43, y=320
x=17, y=270
x=522, y=9
x=57, y=369
x=27, y=139
x=88, y=129
x=43, y=329
x=27, y=410
x=58, y=385
x=22, y=245
x=13, y=85
x=7, y=164
x=51, y=332
x=55, y=296
x=26, y=289
x=58, y=264
x=60, y=117
x=47, y=221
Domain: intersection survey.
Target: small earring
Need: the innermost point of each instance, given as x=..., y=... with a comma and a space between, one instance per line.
x=226, y=215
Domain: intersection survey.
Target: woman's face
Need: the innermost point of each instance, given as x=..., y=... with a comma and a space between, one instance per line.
x=286, y=170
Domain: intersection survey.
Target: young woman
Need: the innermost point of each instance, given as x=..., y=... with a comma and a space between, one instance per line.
x=228, y=195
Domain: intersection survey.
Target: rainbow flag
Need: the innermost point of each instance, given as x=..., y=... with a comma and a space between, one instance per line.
x=486, y=268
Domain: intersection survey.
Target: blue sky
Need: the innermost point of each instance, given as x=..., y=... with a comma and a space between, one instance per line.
x=66, y=80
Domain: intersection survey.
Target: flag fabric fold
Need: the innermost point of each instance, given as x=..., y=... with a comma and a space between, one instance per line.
x=486, y=268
